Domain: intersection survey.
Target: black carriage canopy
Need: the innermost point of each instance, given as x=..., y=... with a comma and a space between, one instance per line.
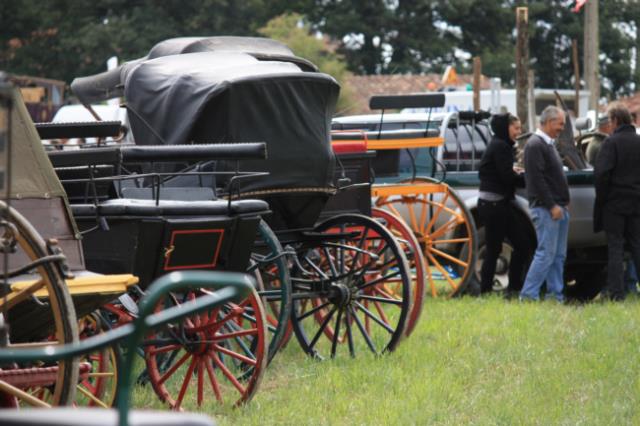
x=110, y=84
x=233, y=97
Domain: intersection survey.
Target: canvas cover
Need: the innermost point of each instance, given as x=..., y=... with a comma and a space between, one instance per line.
x=233, y=97
x=32, y=175
x=35, y=190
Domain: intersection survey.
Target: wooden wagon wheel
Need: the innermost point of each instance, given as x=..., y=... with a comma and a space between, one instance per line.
x=443, y=226
x=98, y=387
x=342, y=286
x=219, y=355
x=39, y=309
x=412, y=249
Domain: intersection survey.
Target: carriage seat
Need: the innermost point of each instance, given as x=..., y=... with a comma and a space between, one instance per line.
x=135, y=207
x=98, y=417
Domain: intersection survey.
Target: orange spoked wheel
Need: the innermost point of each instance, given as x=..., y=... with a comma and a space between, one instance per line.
x=411, y=247
x=219, y=355
x=351, y=289
x=443, y=226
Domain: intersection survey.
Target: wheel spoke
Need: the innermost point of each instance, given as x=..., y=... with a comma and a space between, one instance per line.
x=313, y=311
x=185, y=383
x=443, y=271
x=92, y=397
x=364, y=333
x=435, y=216
x=379, y=280
x=381, y=312
x=336, y=334
x=397, y=302
x=174, y=367
x=324, y=324
x=347, y=317
x=332, y=266
x=236, y=334
x=212, y=380
x=246, y=360
x=200, y=382
x=449, y=257
x=374, y=318
x=450, y=224
x=225, y=371
x=163, y=349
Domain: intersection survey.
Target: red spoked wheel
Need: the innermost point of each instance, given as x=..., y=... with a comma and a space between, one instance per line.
x=342, y=289
x=218, y=355
x=412, y=250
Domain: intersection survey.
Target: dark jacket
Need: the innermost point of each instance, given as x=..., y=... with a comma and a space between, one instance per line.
x=617, y=174
x=544, y=176
x=496, y=166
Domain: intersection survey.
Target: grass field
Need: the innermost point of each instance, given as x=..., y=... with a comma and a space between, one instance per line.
x=479, y=361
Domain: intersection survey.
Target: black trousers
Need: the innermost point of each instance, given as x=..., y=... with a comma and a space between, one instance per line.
x=501, y=220
x=620, y=228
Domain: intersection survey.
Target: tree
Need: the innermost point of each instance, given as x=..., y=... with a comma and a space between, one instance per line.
x=382, y=36
x=292, y=30
x=67, y=38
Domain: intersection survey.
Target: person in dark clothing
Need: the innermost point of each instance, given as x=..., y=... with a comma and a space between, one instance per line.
x=617, y=204
x=496, y=206
x=548, y=194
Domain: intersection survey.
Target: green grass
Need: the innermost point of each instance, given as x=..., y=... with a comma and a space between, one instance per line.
x=480, y=361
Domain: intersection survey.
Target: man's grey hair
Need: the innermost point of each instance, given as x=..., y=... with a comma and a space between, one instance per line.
x=551, y=112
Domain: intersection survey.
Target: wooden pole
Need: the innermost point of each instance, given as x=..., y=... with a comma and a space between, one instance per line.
x=477, y=73
x=576, y=74
x=591, y=49
x=522, y=65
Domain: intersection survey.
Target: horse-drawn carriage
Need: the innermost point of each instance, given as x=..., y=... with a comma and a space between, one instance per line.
x=45, y=289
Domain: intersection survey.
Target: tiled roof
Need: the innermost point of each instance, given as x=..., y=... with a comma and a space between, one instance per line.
x=362, y=87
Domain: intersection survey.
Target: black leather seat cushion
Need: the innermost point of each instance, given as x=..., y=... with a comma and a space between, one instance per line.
x=98, y=417
x=135, y=207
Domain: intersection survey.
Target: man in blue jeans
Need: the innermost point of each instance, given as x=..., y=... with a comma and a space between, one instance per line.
x=548, y=194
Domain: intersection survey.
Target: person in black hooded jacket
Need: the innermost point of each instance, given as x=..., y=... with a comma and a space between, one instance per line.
x=496, y=207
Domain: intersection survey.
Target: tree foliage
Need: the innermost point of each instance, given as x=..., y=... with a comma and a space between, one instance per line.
x=292, y=30
x=66, y=38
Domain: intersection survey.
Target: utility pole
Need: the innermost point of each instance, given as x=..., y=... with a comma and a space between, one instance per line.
x=477, y=73
x=591, y=52
x=522, y=65
x=576, y=76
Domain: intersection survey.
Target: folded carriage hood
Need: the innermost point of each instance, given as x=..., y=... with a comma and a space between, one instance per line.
x=233, y=97
x=259, y=47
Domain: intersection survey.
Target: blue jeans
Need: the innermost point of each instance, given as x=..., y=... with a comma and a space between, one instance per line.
x=631, y=277
x=548, y=261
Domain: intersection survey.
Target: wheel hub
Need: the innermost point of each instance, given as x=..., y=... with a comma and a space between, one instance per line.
x=340, y=295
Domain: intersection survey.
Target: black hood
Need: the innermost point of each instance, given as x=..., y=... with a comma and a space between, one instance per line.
x=500, y=126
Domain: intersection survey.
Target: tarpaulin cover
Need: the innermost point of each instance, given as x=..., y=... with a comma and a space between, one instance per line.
x=233, y=97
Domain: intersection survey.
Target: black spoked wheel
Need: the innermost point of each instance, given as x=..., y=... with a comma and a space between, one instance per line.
x=351, y=289
x=39, y=309
x=269, y=266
